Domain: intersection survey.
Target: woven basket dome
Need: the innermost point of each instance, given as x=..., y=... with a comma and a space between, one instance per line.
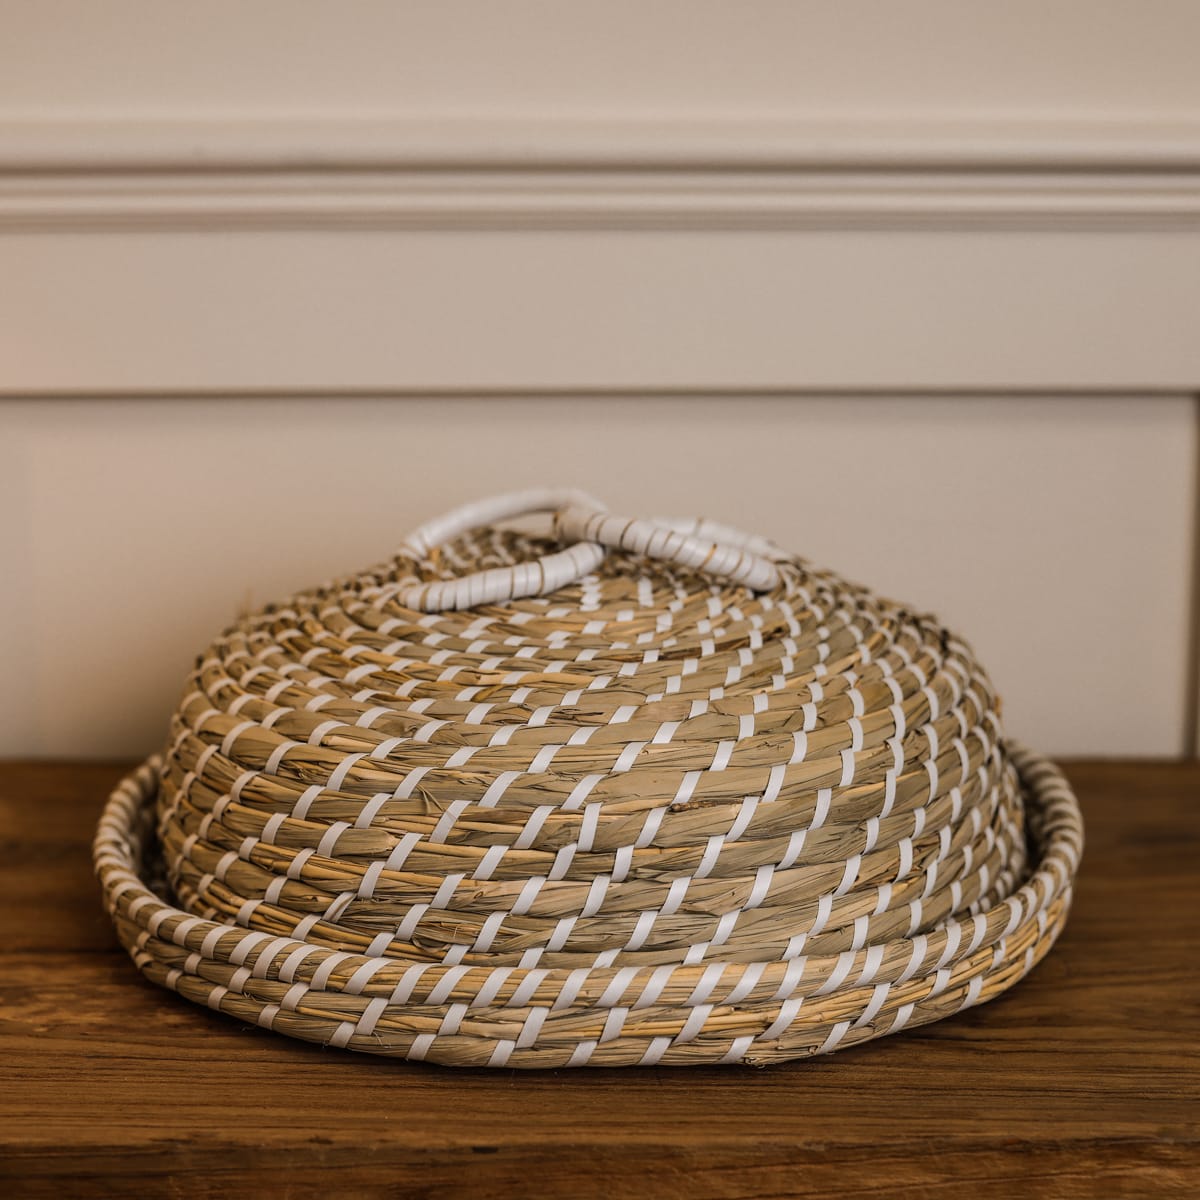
x=620, y=792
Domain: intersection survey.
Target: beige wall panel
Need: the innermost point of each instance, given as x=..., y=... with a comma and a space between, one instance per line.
x=1053, y=532
x=337, y=311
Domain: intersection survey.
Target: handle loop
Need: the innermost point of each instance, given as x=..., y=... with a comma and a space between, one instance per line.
x=656, y=539
x=584, y=522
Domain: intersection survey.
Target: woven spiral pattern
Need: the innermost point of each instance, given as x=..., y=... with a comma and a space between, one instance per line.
x=653, y=816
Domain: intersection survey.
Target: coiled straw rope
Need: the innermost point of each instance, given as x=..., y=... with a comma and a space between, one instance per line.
x=634, y=793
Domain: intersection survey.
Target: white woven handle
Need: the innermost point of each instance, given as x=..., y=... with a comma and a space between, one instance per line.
x=584, y=522
x=656, y=539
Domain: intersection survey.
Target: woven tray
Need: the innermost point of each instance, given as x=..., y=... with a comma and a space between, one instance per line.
x=632, y=792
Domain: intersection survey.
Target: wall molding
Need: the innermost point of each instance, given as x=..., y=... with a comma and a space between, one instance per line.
x=456, y=173
x=484, y=257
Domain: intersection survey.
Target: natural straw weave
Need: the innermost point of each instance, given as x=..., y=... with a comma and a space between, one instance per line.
x=699, y=802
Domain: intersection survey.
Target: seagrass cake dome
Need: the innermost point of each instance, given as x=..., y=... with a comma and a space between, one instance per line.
x=620, y=792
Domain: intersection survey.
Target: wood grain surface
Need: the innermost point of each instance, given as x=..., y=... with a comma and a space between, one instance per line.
x=1084, y=1080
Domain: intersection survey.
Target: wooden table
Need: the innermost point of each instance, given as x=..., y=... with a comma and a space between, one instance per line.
x=1082, y=1081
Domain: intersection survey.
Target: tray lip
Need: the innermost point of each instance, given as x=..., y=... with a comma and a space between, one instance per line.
x=1054, y=864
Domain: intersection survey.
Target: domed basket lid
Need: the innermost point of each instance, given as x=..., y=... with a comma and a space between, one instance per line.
x=614, y=792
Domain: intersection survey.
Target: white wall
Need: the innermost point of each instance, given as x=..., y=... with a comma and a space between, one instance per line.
x=582, y=58
x=912, y=287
